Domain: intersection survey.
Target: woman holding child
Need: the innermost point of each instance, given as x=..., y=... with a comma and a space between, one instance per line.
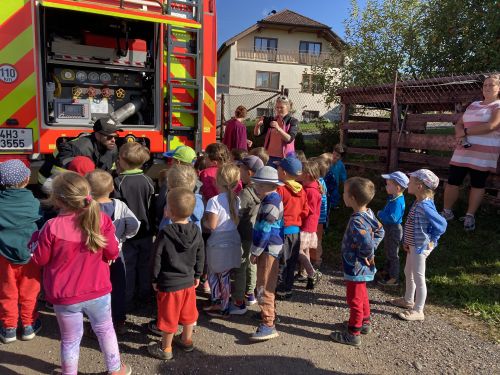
x=280, y=131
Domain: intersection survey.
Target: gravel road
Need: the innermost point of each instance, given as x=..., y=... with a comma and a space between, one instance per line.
x=436, y=346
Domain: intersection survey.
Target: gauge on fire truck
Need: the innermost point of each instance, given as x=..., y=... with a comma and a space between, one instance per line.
x=68, y=74
x=93, y=77
x=81, y=76
x=105, y=77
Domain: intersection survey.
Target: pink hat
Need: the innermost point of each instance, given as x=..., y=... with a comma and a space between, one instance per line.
x=81, y=165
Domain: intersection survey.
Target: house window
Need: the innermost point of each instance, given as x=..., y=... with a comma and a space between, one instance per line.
x=308, y=51
x=267, y=47
x=311, y=84
x=267, y=80
x=311, y=48
x=265, y=44
x=264, y=112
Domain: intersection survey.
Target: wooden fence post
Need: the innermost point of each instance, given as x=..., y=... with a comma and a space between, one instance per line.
x=392, y=147
x=344, y=119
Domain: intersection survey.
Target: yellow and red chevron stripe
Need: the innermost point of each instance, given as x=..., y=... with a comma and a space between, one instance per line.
x=17, y=99
x=209, y=115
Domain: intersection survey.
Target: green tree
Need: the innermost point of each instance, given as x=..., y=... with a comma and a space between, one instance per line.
x=417, y=38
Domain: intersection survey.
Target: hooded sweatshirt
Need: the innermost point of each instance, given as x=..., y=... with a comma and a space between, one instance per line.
x=179, y=257
x=295, y=203
x=18, y=216
x=362, y=236
x=310, y=223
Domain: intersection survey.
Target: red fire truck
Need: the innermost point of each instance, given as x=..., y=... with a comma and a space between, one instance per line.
x=149, y=64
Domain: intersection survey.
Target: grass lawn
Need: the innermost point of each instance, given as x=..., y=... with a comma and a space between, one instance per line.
x=464, y=270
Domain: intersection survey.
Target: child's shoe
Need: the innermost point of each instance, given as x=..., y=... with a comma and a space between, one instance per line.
x=401, y=302
x=154, y=328
x=250, y=299
x=186, y=346
x=218, y=313
x=389, y=282
x=264, y=333
x=469, y=222
x=411, y=315
x=8, y=335
x=124, y=370
x=156, y=351
x=312, y=281
x=300, y=278
x=346, y=338
x=238, y=308
x=284, y=295
x=366, y=328
x=29, y=332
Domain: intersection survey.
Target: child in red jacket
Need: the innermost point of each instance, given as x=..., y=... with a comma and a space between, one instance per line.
x=308, y=236
x=75, y=249
x=296, y=210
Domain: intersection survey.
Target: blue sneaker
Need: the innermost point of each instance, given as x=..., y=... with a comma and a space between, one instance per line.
x=264, y=333
x=7, y=335
x=29, y=332
x=238, y=309
x=250, y=299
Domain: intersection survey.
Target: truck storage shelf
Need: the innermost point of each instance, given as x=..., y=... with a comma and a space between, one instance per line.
x=98, y=66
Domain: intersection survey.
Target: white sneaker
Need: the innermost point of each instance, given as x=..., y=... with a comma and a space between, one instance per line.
x=447, y=214
x=411, y=315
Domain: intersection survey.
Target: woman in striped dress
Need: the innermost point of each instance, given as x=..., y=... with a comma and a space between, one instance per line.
x=477, y=151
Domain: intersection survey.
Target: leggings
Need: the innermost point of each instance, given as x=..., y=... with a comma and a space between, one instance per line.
x=70, y=320
x=416, y=289
x=220, y=286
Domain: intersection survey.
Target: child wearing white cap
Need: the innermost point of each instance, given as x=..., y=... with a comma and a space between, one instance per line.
x=391, y=217
x=423, y=228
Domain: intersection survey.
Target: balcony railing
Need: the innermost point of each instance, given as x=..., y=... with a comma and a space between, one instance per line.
x=280, y=56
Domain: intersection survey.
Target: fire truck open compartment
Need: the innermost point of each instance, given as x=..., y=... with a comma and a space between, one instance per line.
x=95, y=66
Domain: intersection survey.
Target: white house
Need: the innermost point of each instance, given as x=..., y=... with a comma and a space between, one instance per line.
x=278, y=51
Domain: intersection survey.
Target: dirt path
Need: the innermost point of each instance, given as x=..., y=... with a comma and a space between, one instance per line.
x=222, y=347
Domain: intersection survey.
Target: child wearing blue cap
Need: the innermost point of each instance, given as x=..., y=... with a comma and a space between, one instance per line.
x=391, y=217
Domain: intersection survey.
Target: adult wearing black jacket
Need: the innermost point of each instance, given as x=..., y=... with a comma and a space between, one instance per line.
x=100, y=146
x=280, y=131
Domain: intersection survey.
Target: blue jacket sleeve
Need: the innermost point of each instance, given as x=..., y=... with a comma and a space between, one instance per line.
x=392, y=213
x=342, y=172
x=437, y=223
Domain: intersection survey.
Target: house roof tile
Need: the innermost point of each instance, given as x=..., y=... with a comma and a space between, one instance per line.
x=289, y=17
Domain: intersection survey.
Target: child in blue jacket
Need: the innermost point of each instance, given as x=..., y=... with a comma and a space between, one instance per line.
x=391, y=217
x=362, y=236
x=423, y=227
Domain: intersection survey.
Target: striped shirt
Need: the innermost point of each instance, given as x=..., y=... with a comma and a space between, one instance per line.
x=483, y=154
x=409, y=229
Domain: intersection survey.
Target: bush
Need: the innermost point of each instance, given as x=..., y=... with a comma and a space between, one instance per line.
x=329, y=134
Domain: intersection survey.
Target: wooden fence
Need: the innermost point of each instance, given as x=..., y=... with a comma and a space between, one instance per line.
x=403, y=120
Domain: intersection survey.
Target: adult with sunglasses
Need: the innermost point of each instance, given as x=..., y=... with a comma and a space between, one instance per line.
x=477, y=151
x=280, y=131
x=100, y=146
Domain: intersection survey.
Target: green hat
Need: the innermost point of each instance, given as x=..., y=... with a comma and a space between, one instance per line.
x=184, y=154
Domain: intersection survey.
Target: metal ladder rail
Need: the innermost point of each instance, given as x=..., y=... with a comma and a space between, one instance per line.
x=186, y=83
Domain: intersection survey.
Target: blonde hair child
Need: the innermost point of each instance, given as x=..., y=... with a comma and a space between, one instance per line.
x=76, y=281
x=224, y=244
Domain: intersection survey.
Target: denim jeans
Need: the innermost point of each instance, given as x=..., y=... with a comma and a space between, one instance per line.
x=70, y=320
x=291, y=247
x=392, y=240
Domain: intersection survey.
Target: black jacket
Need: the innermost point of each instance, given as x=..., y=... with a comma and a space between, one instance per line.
x=137, y=191
x=179, y=257
x=288, y=120
x=87, y=146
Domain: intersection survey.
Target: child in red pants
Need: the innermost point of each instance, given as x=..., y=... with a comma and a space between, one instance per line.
x=19, y=277
x=362, y=236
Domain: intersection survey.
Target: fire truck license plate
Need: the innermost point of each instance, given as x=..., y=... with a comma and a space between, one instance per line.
x=16, y=139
